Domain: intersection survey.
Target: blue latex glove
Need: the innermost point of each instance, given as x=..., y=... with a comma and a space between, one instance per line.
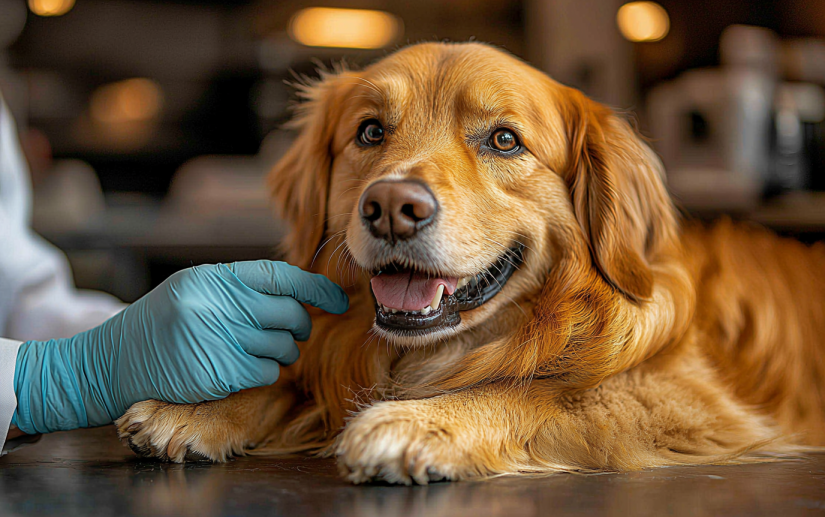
x=202, y=334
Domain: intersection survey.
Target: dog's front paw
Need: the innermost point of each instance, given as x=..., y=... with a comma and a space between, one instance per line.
x=177, y=432
x=399, y=442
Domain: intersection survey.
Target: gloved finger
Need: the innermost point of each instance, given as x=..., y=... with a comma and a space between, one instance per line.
x=271, y=344
x=282, y=279
x=281, y=313
x=264, y=373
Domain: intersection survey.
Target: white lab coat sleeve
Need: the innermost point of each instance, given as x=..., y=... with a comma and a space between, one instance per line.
x=8, y=401
x=38, y=299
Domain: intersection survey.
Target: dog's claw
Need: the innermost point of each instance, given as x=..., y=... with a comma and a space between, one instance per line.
x=142, y=451
x=195, y=457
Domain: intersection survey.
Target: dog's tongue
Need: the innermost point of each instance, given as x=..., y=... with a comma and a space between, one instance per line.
x=409, y=290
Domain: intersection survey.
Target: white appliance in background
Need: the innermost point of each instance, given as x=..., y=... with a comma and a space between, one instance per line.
x=796, y=141
x=712, y=126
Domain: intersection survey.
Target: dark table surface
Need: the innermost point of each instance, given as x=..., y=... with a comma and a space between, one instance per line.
x=88, y=472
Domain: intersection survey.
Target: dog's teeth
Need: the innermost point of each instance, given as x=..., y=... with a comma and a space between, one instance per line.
x=426, y=310
x=461, y=283
x=394, y=310
x=437, y=298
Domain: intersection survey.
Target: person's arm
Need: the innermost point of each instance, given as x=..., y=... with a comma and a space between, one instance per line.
x=38, y=299
x=37, y=295
x=8, y=401
x=204, y=333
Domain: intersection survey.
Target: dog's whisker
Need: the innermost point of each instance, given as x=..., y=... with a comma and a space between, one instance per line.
x=344, y=255
x=330, y=218
x=351, y=265
x=350, y=269
x=519, y=307
x=525, y=237
x=351, y=189
x=525, y=245
x=333, y=254
x=372, y=86
x=495, y=279
x=359, y=97
x=333, y=236
x=369, y=85
x=371, y=335
x=508, y=255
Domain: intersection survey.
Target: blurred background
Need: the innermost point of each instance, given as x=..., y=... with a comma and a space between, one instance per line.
x=149, y=125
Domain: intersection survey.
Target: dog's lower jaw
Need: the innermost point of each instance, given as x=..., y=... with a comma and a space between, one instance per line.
x=418, y=340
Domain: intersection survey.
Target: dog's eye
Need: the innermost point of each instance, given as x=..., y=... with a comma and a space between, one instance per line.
x=504, y=140
x=370, y=133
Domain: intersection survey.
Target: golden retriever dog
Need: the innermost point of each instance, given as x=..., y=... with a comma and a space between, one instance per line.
x=524, y=296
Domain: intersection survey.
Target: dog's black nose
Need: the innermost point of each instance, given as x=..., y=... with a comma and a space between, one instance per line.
x=396, y=209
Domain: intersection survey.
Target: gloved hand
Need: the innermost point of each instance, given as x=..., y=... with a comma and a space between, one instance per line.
x=202, y=334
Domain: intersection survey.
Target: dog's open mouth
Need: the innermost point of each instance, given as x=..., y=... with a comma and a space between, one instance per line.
x=409, y=301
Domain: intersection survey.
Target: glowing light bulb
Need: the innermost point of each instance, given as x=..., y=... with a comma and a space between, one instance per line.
x=643, y=21
x=126, y=101
x=344, y=28
x=51, y=7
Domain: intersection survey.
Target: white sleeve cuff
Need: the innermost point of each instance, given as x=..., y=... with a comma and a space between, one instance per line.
x=8, y=401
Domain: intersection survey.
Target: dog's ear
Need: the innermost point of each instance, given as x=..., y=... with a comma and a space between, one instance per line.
x=299, y=182
x=617, y=186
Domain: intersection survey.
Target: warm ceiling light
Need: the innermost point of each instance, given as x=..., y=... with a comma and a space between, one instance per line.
x=347, y=28
x=132, y=100
x=51, y=7
x=643, y=21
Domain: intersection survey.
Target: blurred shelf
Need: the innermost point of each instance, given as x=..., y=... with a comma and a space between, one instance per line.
x=796, y=211
x=152, y=225
x=127, y=250
x=794, y=214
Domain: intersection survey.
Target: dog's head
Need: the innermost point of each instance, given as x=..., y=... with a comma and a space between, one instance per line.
x=457, y=179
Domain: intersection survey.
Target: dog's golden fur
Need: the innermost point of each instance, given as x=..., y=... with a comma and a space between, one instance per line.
x=627, y=339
